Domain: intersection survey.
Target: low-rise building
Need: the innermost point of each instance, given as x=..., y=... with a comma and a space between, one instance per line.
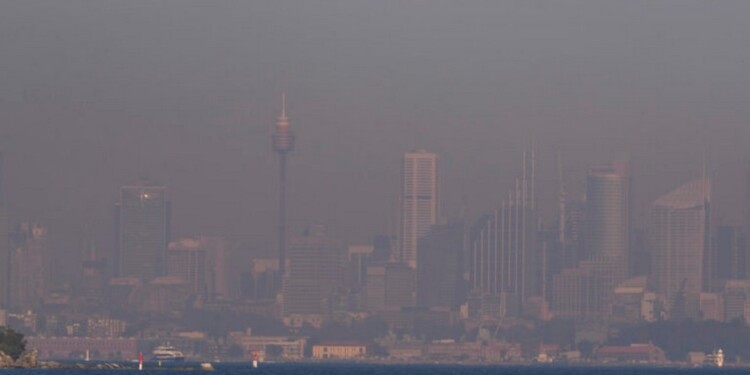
x=339, y=350
x=105, y=327
x=269, y=346
x=76, y=347
x=405, y=351
x=634, y=353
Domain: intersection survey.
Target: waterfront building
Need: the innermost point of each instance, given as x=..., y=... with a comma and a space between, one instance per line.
x=339, y=350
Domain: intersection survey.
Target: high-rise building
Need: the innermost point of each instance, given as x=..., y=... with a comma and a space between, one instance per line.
x=201, y=262
x=358, y=258
x=283, y=143
x=573, y=240
x=315, y=273
x=730, y=251
x=217, y=266
x=596, y=262
x=375, y=288
x=400, y=286
x=678, y=240
x=31, y=267
x=142, y=231
x=440, y=281
x=93, y=276
x=419, y=201
x=505, y=249
x=608, y=215
x=4, y=243
x=187, y=260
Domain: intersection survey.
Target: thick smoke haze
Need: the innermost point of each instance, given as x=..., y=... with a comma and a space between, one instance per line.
x=95, y=94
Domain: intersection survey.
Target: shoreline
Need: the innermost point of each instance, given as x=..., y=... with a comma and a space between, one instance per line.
x=196, y=365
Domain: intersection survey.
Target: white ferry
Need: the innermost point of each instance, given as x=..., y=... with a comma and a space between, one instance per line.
x=715, y=359
x=167, y=353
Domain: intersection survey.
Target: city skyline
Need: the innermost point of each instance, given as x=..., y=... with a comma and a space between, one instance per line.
x=208, y=118
x=475, y=182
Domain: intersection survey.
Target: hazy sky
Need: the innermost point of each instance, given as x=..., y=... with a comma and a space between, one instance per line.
x=95, y=93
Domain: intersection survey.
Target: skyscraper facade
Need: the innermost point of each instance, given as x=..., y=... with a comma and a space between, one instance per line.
x=315, y=274
x=31, y=266
x=143, y=217
x=678, y=234
x=730, y=253
x=187, y=259
x=440, y=281
x=505, y=248
x=608, y=214
x=585, y=292
x=419, y=201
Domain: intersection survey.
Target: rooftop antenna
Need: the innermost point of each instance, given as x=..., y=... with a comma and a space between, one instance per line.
x=562, y=197
x=533, y=173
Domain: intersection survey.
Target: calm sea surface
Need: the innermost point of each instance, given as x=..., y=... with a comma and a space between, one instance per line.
x=370, y=369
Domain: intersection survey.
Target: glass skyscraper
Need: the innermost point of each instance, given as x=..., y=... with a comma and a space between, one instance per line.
x=142, y=231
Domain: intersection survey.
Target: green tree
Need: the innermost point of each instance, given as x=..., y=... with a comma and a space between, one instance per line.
x=12, y=343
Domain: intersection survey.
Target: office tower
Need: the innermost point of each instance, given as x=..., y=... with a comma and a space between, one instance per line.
x=4, y=242
x=400, y=285
x=375, y=288
x=608, y=215
x=640, y=256
x=30, y=267
x=382, y=245
x=419, y=201
x=596, y=258
x=607, y=232
x=92, y=279
x=505, y=248
x=142, y=232
x=730, y=250
x=201, y=262
x=283, y=143
x=217, y=266
x=186, y=259
x=584, y=292
x=358, y=258
x=440, y=281
x=573, y=247
x=678, y=233
x=315, y=274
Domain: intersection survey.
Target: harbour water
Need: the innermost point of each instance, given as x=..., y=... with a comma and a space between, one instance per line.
x=385, y=369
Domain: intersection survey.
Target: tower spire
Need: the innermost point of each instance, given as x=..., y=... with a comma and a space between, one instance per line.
x=283, y=105
x=562, y=198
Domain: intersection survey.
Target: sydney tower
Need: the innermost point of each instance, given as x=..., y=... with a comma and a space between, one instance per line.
x=283, y=143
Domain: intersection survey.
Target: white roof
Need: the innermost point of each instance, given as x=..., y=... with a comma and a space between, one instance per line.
x=690, y=195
